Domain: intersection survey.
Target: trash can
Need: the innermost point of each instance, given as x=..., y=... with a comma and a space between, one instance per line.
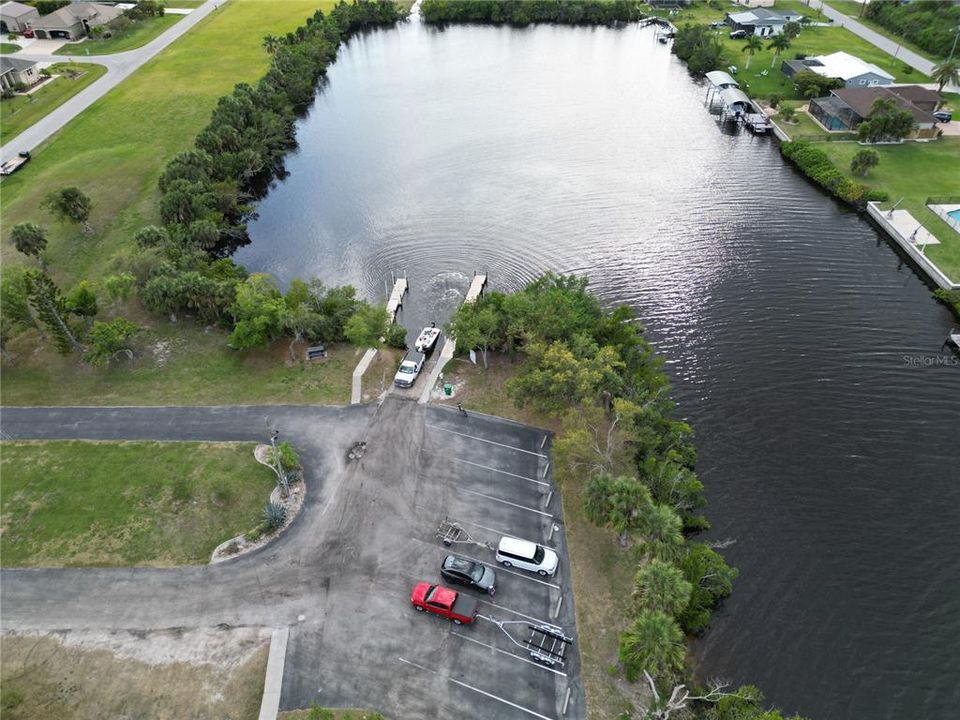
x=447, y=389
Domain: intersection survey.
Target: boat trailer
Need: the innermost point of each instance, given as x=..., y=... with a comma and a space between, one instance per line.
x=547, y=644
x=450, y=533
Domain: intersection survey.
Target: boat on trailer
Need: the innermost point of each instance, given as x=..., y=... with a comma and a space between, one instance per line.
x=427, y=339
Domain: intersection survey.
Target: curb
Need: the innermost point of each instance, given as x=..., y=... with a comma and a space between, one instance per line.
x=273, y=682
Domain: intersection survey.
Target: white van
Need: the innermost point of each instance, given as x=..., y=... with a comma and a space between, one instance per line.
x=527, y=555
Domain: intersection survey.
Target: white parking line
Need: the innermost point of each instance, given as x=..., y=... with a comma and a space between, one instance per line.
x=515, y=612
x=491, y=442
x=502, y=472
x=504, y=652
x=475, y=689
x=506, y=502
x=501, y=569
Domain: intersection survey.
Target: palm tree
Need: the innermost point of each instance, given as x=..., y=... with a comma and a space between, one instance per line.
x=271, y=43
x=661, y=585
x=779, y=43
x=30, y=239
x=663, y=532
x=754, y=43
x=653, y=643
x=947, y=73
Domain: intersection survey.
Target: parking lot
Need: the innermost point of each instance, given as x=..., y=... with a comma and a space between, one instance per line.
x=365, y=646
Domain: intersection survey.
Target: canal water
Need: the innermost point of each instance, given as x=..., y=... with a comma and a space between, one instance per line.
x=808, y=357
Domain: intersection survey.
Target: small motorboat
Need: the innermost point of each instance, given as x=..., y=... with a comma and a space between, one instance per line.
x=427, y=339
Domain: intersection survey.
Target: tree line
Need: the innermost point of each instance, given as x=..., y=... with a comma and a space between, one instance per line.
x=207, y=196
x=929, y=23
x=594, y=368
x=525, y=12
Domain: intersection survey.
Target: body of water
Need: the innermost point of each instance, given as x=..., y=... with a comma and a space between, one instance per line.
x=808, y=357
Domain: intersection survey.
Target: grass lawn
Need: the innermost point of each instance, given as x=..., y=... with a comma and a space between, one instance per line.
x=9, y=48
x=851, y=8
x=116, y=149
x=812, y=41
x=20, y=112
x=180, y=364
x=914, y=172
x=76, y=503
x=602, y=572
x=142, y=32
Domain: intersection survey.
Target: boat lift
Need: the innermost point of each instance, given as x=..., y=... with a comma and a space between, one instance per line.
x=450, y=533
x=547, y=644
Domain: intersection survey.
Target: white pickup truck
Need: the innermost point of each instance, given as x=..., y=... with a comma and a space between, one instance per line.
x=409, y=369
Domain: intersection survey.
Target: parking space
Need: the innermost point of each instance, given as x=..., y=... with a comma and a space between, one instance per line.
x=367, y=647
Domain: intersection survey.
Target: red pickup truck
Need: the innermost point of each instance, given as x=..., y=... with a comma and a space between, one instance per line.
x=444, y=602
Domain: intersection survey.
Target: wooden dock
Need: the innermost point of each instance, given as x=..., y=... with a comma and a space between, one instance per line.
x=476, y=287
x=396, y=297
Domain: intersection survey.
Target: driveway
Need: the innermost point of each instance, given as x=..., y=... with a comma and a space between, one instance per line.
x=119, y=67
x=340, y=577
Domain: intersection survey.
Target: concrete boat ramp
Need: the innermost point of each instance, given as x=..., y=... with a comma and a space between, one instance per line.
x=434, y=365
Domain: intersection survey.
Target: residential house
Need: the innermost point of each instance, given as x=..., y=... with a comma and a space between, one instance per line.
x=16, y=17
x=74, y=21
x=852, y=70
x=846, y=108
x=761, y=21
x=14, y=71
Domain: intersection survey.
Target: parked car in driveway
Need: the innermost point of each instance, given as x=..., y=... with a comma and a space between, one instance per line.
x=436, y=599
x=469, y=573
x=513, y=552
x=738, y=34
x=943, y=116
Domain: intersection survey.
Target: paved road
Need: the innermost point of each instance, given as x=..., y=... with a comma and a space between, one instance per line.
x=119, y=67
x=340, y=577
x=915, y=61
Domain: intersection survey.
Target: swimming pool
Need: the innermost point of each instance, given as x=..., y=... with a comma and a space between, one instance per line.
x=955, y=214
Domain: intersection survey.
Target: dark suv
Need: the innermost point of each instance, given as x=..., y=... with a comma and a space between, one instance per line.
x=467, y=572
x=943, y=116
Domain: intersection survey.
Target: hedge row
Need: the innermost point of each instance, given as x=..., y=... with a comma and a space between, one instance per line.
x=817, y=165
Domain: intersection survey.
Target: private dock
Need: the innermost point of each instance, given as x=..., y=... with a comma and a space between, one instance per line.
x=476, y=287
x=395, y=302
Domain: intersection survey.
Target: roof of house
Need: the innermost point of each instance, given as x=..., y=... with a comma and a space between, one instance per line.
x=70, y=15
x=844, y=66
x=861, y=101
x=759, y=16
x=8, y=63
x=718, y=78
x=15, y=9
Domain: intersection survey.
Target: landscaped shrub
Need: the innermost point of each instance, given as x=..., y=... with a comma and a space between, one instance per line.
x=274, y=515
x=396, y=336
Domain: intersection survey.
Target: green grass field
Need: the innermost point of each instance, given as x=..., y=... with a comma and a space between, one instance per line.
x=77, y=503
x=180, y=364
x=851, y=8
x=142, y=32
x=914, y=172
x=20, y=112
x=7, y=48
x=116, y=150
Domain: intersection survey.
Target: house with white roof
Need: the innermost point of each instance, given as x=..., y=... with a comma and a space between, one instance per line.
x=852, y=70
x=761, y=21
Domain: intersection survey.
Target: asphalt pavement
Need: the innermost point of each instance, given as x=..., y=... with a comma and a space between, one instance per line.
x=340, y=577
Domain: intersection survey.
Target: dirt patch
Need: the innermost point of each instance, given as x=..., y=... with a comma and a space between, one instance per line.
x=207, y=673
